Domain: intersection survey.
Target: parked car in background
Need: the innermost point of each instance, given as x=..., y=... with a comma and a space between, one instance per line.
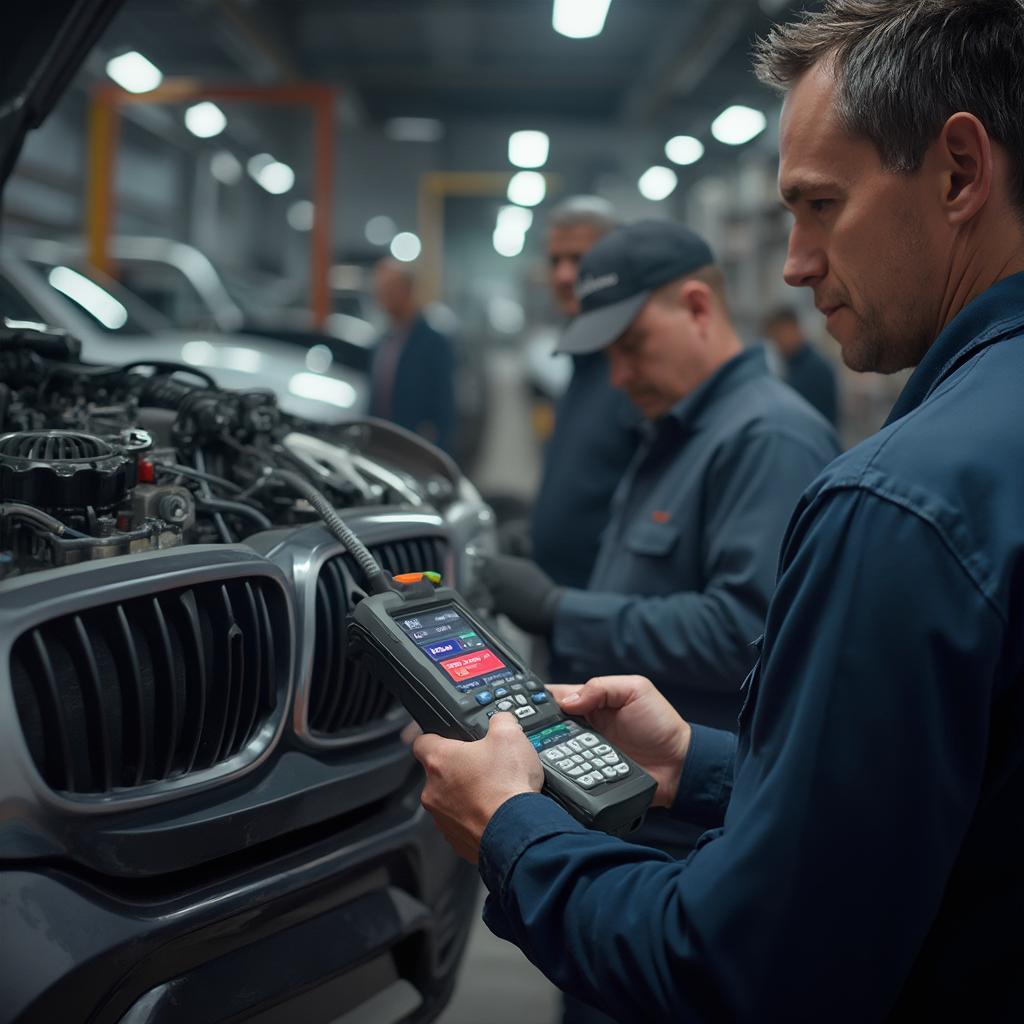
x=182, y=283
x=42, y=281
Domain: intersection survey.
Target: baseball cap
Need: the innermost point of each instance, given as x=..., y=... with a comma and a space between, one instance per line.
x=618, y=274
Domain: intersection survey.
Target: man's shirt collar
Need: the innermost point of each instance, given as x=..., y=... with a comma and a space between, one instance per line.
x=995, y=313
x=688, y=412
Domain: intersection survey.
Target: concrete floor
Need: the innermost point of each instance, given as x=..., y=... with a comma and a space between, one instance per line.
x=498, y=985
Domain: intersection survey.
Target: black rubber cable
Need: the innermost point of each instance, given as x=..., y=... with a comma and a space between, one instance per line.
x=376, y=579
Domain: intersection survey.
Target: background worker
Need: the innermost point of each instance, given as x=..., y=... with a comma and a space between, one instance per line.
x=802, y=366
x=688, y=560
x=596, y=429
x=413, y=373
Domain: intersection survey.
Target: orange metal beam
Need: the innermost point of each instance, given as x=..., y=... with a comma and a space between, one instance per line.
x=323, y=181
x=99, y=209
x=103, y=123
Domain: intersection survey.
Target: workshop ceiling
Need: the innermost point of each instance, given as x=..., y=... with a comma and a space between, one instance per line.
x=655, y=61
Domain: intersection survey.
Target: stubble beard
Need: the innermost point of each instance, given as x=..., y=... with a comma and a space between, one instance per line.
x=878, y=347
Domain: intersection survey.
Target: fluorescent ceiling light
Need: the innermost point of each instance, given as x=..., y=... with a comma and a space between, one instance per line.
x=322, y=389
x=515, y=218
x=300, y=215
x=380, y=230
x=134, y=73
x=657, y=183
x=90, y=296
x=736, y=125
x=414, y=129
x=684, y=149
x=224, y=166
x=508, y=243
x=579, y=19
x=205, y=120
x=527, y=188
x=405, y=246
x=270, y=174
x=528, y=149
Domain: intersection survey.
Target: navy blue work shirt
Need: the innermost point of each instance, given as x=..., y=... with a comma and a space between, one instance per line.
x=869, y=862
x=413, y=384
x=597, y=430
x=688, y=561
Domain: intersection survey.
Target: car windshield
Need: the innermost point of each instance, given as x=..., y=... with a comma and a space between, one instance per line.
x=111, y=308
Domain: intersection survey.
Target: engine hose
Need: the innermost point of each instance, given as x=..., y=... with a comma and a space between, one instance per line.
x=39, y=518
x=376, y=578
x=235, y=508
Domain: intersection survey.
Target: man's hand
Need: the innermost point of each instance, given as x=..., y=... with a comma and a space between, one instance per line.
x=522, y=590
x=468, y=782
x=633, y=716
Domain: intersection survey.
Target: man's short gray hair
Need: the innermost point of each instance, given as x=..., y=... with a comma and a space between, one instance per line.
x=584, y=211
x=903, y=67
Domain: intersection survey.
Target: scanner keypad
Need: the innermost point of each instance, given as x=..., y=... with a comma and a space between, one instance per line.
x=579, y=755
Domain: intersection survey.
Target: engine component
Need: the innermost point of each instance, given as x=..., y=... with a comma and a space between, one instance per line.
x=61, y=470
x=174, y=505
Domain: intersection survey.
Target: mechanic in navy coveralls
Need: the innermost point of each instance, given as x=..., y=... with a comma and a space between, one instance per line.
x=865, y=856
x=688, y=561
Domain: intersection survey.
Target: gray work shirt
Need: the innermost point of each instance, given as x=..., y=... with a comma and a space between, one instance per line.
x=688, y=561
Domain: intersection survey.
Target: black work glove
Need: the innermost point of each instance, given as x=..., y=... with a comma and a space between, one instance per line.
x=523, y=591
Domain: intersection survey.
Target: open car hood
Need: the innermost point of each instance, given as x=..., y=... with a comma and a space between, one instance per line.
x=42, y=45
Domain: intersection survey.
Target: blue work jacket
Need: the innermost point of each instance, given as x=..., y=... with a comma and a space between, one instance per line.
x=421, y=391
x=688, y=561
x=597, y=431
x=869, y=865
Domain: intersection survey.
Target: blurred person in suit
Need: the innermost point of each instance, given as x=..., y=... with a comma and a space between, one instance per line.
x=413, y=372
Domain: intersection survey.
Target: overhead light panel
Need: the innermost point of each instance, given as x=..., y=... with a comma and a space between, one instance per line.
x=300, y=215
x=205, y=120
x=684, y=149
x=405, y=246
x=736, y=125
x=414, y=129
x=90, y=296
x=515, y=218
x=508, y=243
x=224, y=166
x=579, y=19
x=380, y=230
x=509, y=236
x=528, y=149
x=134, y=73
x=657, y=183
x=527, y=188
x=270, y=174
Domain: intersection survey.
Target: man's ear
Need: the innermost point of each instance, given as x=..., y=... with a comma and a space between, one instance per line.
x=964, y=151
x=696, y=298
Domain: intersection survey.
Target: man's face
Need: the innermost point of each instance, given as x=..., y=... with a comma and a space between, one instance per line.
x=566, y=247
x=866, y=240
x=657, y=360
x=390, y=289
